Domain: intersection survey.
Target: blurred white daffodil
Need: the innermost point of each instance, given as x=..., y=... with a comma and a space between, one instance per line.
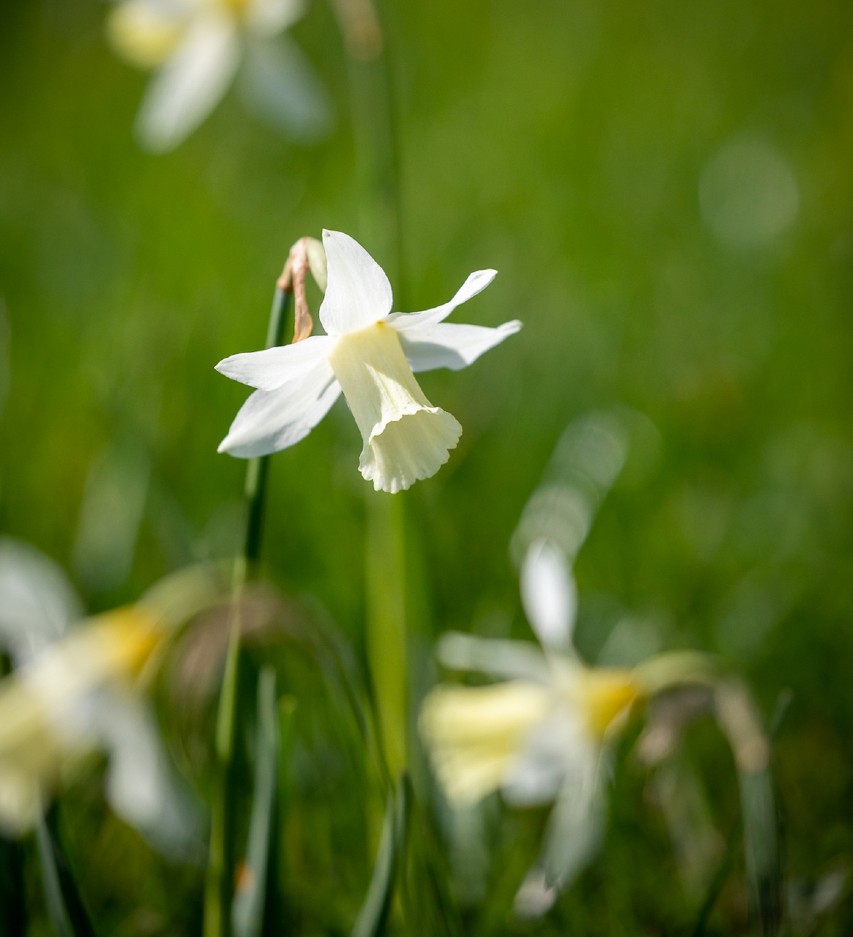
x=43, y=731
x=371, y=355
x=540, y=735
x=197, y=47
x=72, y=693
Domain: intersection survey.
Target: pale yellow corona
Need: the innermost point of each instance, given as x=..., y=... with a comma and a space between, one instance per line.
x=405, y=437
x=476, y=734
x=608, y=695
x=142, y=35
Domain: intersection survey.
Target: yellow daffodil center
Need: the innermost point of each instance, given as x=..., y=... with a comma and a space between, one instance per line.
x=127, y=636
x=143, y=35
x=607, y=693
x=405, y=438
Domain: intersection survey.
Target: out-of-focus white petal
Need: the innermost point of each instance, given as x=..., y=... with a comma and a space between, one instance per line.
x=37, y=602
x=190, y=82
x=571, y=838
x=500, y=658
x=576, y=823
x=476, y=283
x=475, y=734
x=358, y=292
x=558, y=747
x=452, y=346
x=273, y=367
x=279, y=84
x=405, y=438
x=549, y=595
x=273, y=420
x=141, y=787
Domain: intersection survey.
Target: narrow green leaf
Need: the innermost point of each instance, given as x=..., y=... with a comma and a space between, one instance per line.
x=255, y=905
x=373, y=917
x=219, y=879
x=65, y=907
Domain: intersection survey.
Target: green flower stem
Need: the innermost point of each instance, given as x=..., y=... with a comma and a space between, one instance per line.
x=386, y=627
x=385, y=570
x=65, y=907
x=219, y=884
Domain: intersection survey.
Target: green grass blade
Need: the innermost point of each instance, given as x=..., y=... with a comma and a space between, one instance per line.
x=373, y=918
x=255, y=906
x=64, y=905
x=219, y=881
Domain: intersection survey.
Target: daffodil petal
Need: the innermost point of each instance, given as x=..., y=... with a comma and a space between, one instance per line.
x=559, y=746
x=273, y=420
x=476, y=283
x=495, y=656
x=273, y=367
x=572, y=836
x=190, y=83
x=278, y=83
x=577, y=821
x=141, y=787
x=37, y=602
x=549, y=595
x=452, y=346
x=358, y=292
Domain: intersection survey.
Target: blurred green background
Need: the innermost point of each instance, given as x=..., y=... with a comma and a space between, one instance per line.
x=665, y=190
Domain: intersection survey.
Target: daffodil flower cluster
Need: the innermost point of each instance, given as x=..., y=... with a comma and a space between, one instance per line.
x=370, y=354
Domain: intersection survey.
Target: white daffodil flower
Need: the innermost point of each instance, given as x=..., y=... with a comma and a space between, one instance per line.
x=196, y=47
x=42, y=729
x=371, y=355
x=72, y=692
x=541, y=734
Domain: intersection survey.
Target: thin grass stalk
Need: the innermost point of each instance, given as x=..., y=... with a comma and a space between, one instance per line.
x=63, y=903
x=219, y=884
x=256, y=904
x=375, y=913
